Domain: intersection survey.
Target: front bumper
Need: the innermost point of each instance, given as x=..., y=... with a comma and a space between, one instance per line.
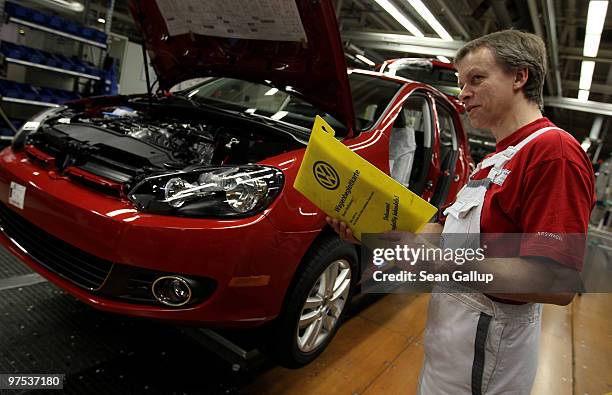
x=110, y=230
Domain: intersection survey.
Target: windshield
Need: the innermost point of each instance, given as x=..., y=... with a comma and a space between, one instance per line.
x=371, y=95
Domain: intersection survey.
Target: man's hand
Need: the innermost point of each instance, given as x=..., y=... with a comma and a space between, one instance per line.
x=346, y=233
x=342, y=229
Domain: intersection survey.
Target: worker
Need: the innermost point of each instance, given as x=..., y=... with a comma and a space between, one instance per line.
x=538, y=182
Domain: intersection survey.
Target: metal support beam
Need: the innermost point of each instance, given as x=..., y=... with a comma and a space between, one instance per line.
x=577, y=57
x=537, y=27
x=579, y=21
x=406, y=39
x=571, y=22
x=338, y=8
x=551, y=28
x=373, y=17
x=412, y=49
x=117, y=16
x=454, y=21
x=598, y=124
x=535, y=18
x=501, y=12
x=608, y=83
x=109, y=17
x=596, y=128
x=606, y=53
x=577, y=51
x=486, y=27
x=107, y=29
x=352, y=49
x=589, y=106
x=605, y=89
x=601, y=141
x=404, y=43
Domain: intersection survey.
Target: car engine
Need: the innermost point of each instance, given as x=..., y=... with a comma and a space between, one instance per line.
x=124, y=145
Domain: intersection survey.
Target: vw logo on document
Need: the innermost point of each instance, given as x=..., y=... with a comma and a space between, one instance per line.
x=326, y=175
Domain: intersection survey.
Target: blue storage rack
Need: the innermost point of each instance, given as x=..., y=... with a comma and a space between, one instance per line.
x=26, y=56
x=17, y=92
x=54, y=24
x=6, y=131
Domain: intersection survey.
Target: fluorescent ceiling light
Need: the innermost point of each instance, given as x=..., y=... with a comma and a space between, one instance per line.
x=430, y=19
x=591, y=45
x=400, y=17
x=101, y=20
x=596, y=16
x=70, y=5
x=271, y=92
x=583, y=95
x=365, y=60
x=586, y=74
x=595, y=22
x=443, y=59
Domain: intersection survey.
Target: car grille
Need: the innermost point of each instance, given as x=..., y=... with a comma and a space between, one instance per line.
x=113, y=280
x=55, y=255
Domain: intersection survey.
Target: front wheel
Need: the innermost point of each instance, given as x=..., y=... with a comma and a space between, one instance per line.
x=317, y=303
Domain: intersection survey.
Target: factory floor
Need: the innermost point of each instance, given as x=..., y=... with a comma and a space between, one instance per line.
x=378, y=350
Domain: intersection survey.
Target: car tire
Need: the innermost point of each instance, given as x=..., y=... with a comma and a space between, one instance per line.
x=314, y=311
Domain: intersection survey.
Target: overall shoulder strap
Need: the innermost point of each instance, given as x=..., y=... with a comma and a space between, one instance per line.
x=533, y=136
x=501, y=158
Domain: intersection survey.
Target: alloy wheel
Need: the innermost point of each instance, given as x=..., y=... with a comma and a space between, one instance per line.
x=324, y=305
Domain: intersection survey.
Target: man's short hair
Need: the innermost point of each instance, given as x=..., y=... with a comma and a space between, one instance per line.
x=515, y=49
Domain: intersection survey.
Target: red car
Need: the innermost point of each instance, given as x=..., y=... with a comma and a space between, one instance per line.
x=442, y=76
x=180, y=207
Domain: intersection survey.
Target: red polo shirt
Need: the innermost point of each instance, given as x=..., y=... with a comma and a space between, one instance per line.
x=549, y=194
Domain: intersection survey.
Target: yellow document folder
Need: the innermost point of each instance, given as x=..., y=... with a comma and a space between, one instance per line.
x=347, y=187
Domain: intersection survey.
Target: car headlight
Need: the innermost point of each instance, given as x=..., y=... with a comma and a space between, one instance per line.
x=236, y=191
x=32, y=126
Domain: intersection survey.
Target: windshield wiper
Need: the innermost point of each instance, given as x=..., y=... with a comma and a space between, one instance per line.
x=198, y=103
x=275, y=122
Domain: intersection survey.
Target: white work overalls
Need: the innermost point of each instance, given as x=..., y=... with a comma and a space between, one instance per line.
x=474, y=345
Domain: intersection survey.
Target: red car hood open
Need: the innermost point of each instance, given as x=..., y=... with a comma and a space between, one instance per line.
x=292, y=44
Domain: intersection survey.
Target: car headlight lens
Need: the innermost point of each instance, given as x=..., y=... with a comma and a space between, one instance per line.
x=32, y=126
x=173, y=189
x=235, y=191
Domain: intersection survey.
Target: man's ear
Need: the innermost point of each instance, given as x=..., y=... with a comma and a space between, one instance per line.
x=521, y=77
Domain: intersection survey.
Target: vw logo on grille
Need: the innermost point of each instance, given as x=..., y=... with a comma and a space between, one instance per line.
x=326, y=175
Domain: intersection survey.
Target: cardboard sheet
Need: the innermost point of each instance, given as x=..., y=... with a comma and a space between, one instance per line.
x=347, y=187
x=277, y=20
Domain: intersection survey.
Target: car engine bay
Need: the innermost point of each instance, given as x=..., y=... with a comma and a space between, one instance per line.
x=123, y=144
